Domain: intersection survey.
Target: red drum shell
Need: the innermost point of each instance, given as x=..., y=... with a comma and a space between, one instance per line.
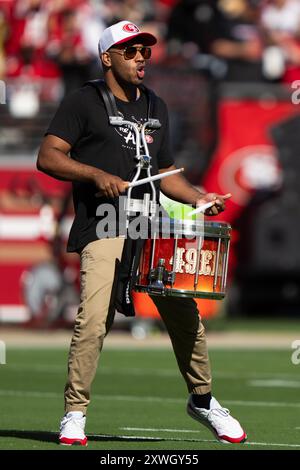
x=211, y=260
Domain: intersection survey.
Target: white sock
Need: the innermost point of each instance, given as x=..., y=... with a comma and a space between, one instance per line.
x=74, y=414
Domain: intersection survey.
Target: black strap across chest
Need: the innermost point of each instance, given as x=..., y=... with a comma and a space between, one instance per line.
x=110, y=102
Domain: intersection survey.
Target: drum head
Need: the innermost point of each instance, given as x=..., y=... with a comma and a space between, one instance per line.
x=165, y=227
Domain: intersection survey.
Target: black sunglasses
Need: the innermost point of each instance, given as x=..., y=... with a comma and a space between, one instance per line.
x=131, y=51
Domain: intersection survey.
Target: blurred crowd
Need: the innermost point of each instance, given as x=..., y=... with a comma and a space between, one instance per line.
x=236, y=40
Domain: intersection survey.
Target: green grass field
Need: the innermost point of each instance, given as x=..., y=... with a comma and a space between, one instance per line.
x=139, y=400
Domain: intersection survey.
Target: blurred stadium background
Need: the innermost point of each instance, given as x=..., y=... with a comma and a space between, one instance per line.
x=229, y=71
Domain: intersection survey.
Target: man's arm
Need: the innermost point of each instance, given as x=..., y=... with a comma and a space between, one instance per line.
x=178, y=188
x=53, y=159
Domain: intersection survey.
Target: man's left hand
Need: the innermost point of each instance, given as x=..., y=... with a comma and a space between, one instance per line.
x=219, y=202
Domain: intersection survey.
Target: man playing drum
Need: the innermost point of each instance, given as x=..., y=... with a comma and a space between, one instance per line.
x=102, y=158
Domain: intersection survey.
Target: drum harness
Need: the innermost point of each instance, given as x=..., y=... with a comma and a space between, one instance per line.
x=148, y=205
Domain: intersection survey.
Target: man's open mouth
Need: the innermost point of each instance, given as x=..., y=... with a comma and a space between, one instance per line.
x=140, y=72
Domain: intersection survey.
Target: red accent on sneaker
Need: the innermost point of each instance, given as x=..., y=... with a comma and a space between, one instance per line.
x=234, y=440
x=69, y=442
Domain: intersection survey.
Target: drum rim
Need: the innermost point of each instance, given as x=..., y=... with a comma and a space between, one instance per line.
x=171, y=292
x=191, y=227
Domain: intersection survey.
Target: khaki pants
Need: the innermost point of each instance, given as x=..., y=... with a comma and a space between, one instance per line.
x=96, y=314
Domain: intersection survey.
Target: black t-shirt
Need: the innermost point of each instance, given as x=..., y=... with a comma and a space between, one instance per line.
x=82, y=121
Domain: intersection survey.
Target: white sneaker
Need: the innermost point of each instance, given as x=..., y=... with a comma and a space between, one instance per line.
x=72, y=429
x=218, y=420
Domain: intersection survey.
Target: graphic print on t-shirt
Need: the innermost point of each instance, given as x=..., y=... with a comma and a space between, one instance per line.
x=128, y=133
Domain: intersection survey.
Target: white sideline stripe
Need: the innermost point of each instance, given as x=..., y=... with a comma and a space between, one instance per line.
x=101, y=370
x=253, y=375
x=151, y=438
x=275, y=383
x=271, y=404
x=265, y=444
x=39, y=394
x=159, y=430
x=51, y=368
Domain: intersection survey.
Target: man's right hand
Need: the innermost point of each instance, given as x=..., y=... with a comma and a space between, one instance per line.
x=109, y=185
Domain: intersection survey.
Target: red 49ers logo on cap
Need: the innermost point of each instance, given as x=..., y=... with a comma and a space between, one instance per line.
x=131, y=28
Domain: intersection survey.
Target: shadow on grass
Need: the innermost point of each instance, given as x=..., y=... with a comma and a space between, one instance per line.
x=48, y=436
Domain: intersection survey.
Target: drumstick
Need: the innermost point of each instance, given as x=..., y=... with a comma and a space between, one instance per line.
x=153, y=178
x=207, y=205
x=148, y=179
x=202, y=208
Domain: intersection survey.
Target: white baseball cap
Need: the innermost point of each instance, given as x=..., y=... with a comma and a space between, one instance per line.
x=123, y=32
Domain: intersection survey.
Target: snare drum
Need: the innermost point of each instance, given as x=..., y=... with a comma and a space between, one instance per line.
x=190, y=264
